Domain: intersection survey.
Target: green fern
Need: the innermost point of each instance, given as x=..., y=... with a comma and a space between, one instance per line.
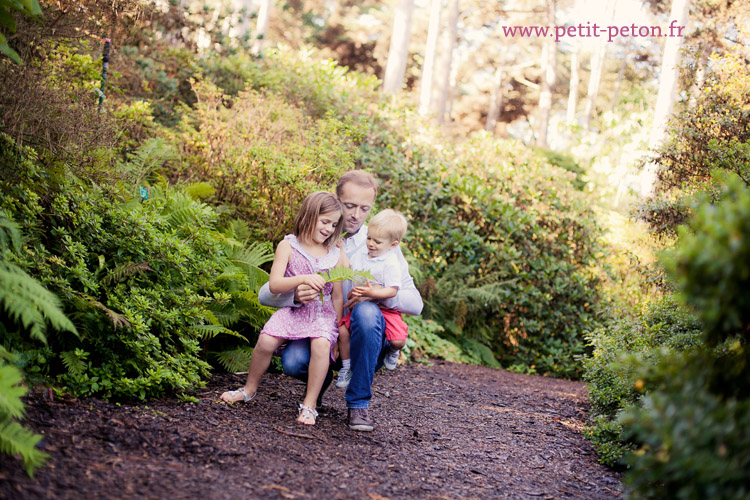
x=125, y=270
x=74, y=361
x=345, y=274
x=152, y=154
x=14, y=438
x=211, y=331
x=27, y=302
x=234, y=360
x=10, y=236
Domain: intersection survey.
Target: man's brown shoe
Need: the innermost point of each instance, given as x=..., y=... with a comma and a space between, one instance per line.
x=359, y=420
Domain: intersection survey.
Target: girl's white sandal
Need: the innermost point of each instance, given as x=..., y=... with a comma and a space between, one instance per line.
x=306, y=412
x=245, y=397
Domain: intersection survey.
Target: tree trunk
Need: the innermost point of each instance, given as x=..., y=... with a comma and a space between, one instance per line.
x=428, y=68
x=620, y=76
x=393, y=79
x=449, y=43
x=549, y=61
x=597, y=66
x=261, y=28
x=668, y=79
x=496, y=100
x=575, y=78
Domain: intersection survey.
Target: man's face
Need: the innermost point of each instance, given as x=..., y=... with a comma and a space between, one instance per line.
x=357, y=201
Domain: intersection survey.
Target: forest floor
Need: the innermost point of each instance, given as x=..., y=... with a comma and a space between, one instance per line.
x=443, y=431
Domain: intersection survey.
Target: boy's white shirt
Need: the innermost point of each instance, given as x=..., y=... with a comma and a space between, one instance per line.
x=384, y=268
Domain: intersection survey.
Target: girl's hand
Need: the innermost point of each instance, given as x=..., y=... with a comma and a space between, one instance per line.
x=336, y=351
x=314, y=281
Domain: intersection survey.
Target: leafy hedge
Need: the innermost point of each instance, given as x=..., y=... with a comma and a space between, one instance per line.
x=142, y=282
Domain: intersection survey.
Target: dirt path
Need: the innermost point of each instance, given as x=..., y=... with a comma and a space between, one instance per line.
x=444, y=431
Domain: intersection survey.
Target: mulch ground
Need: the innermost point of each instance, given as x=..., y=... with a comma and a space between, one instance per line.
x=443, y=431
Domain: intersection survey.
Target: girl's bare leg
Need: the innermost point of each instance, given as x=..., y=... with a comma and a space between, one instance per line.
x=259, y=362
x=320, y=352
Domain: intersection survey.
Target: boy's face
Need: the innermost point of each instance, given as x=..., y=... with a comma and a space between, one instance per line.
x=378, y=243
x=357, y=201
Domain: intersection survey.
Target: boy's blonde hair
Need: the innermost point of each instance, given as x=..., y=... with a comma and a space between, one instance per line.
x=316, y=204
x=390, y=222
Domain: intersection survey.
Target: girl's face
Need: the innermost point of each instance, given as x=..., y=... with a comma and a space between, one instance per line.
x=325, y=226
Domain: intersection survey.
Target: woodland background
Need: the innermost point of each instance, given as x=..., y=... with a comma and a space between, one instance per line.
x=578, y=209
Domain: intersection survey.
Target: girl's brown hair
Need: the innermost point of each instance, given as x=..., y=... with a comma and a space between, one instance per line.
x=317, y=204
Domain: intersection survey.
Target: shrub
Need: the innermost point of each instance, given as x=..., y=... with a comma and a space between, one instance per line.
x=620, y=348
x=141, y=281
x=507, y=253
x=690, y=441
x=262, y=155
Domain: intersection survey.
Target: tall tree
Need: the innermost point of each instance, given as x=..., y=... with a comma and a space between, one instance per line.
x=549, y=63
x=496, y=99
x=261, y=28
x=668, y=80
x=597, y=67
x=449, y=43
x=398, y=53
x=428, y=68
x=575, y=78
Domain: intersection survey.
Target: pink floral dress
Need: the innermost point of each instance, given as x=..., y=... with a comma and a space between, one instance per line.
x=316, y=318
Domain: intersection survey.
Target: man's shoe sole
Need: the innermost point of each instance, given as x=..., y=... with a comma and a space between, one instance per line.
x=361, y=427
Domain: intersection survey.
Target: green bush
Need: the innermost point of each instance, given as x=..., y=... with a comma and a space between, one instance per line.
x=262, y=155
x=145, y=283
x=620, y=348
x=690, y=441
x=507, y=251
x=711, y=264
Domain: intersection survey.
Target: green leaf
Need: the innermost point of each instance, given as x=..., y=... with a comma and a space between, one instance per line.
x=6, y=19
x=5, y=49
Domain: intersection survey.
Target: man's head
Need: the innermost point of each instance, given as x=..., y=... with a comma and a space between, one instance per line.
x=357, y=190
x=385, y=232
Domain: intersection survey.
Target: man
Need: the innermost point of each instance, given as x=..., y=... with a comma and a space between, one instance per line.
x=357, y=190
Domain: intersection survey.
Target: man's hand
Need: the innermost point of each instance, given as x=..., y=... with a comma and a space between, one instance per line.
x=305, y=293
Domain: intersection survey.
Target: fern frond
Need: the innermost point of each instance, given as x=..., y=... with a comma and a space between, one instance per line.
x=15, y=439
x=226, y=314
x=74, y=361
x=345, y=273
x=256, y=254
x=10, y=235
x=30, y=304
x=251, y=310
x=125, y=270
x=234, y=360
x=210, y=331
x=11, y=392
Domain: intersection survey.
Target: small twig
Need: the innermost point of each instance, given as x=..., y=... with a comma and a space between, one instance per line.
x=293, y=433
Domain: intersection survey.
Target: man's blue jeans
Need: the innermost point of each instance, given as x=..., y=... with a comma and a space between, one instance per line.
x=368, y=348
x=295, y=360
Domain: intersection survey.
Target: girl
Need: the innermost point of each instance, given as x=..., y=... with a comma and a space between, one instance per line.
x=299, y=257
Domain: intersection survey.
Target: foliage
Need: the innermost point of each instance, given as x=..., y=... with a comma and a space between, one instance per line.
x=27, y=7
x=506, y=249
x=142, y=282
x=712, y=133
x=262, y=155
x=619, y=348
x=14, y=438
x=711, y=265
x=691, y=442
